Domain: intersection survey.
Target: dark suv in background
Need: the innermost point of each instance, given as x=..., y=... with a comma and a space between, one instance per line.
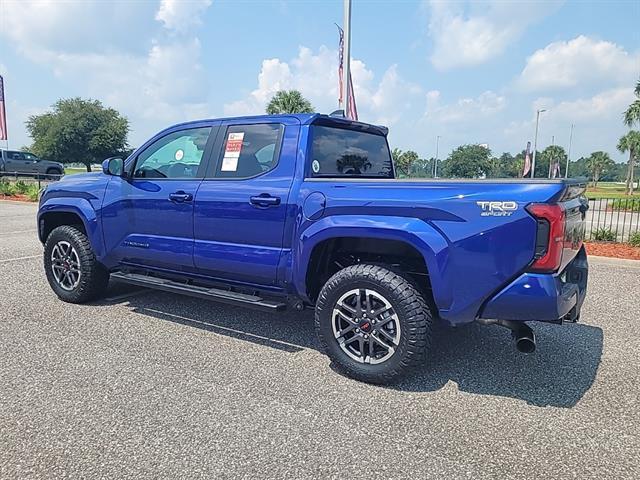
x=25, y=163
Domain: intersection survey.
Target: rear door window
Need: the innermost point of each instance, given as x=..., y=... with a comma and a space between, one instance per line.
x=249, y=150
x=338, y=152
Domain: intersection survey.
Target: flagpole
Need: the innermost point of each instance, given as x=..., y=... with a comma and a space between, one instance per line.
x=347, y=55
x=566, y=172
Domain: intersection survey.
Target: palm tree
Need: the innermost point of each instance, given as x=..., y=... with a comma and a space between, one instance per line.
x=289, y=101
x=632, y=115
x=630, y=143
x=551, y=155
x=597, y=163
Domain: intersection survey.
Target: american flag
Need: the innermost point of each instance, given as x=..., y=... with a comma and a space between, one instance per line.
x=3, y=115
x=351, y=111
x=527, y=160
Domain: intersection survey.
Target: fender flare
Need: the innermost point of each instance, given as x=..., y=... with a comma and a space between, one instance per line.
x=420, y=235
x=85, y=212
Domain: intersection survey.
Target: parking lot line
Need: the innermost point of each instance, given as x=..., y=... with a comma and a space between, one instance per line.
x=17, y=231
x=7, y=260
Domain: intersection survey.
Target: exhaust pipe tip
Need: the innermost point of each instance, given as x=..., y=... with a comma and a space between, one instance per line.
x=525, y=341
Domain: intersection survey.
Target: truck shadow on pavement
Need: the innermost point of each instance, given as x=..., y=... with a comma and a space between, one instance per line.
x=480, y=360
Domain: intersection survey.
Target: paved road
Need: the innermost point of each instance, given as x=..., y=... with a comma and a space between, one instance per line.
x=155, y=385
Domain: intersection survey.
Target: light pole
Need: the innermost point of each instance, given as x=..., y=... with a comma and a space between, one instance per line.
x=566, y=171
x=435, y=163
x=535, y=142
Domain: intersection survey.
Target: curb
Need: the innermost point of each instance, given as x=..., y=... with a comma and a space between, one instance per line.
x=614, y=261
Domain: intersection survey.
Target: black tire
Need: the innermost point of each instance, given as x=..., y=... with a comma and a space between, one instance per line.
x=94, y=277
x=413, y=314
x=53, y=174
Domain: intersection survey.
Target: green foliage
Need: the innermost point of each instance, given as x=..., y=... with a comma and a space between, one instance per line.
x=630, y=204
x=597, y=163
x=21, y=187
x=78, y=130
x=467, y=161
x=7, y=188
x=632, y=115
x=289, y=101
x=422, y=168
x=604, y=235
x=404, y=161
x=634, y=239
x=32, y=192
x=630, y=143
x=550, y=155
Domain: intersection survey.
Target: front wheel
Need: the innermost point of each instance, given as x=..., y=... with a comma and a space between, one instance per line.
x=72, y=270
x=373, y=323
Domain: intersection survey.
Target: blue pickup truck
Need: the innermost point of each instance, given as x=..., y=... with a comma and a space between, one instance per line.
x=305, y=211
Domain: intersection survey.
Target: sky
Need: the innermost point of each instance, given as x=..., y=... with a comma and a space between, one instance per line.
x=469, y=72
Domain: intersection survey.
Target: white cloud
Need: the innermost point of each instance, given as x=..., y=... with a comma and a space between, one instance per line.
x=464, y=110
x=119, y=54
x=597, y=120
x=42, y=28
x=181, y=15
x=466, y=38
x=606, y=105
x=582, y=60
x=316, y=76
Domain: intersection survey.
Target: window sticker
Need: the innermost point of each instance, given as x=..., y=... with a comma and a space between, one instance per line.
x=179, y=155
x=232, y=152
x=315, y=166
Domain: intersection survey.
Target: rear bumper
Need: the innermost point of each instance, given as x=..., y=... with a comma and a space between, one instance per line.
x=543, y=297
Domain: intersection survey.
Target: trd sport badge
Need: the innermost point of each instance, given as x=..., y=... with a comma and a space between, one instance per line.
x=497, y=209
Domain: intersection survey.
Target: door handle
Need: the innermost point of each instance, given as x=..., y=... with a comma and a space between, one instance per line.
x=180, y=197
x=264, y=200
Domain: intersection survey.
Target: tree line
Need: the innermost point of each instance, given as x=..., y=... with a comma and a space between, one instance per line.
x=78, y=130
x=477, y=161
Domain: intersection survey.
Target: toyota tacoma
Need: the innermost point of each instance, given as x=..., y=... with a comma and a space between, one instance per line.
x=305, y=211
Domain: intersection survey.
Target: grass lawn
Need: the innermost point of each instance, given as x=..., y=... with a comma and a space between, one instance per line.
x=73, y=171
x=608, y=190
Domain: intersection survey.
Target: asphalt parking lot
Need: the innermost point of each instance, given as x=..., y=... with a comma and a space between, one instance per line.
x=146, y=384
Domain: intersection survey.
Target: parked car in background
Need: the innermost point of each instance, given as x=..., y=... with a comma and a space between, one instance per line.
x=27, y=164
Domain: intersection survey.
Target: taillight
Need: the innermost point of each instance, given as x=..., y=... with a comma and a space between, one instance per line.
x=550, y=236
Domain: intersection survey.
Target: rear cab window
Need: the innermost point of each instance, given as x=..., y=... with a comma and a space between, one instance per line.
x=340, y=152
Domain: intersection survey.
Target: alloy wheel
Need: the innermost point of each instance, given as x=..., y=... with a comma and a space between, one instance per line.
x=366, y=326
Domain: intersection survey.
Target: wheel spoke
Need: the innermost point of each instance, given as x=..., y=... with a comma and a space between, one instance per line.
x=387, y=336
x=381, y=310
x=344, y=331
x=350, y=340
x=345, y=318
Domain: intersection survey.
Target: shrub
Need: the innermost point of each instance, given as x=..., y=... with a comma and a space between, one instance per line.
x=634, y=239
x=7, y=188
x=604, y=235
x=21, y=187
x=628, y=204
x=32, y=192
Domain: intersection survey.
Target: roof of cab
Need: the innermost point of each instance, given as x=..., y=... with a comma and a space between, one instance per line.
x=306, y=119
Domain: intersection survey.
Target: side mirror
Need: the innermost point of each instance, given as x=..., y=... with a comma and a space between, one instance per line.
x=113, y=166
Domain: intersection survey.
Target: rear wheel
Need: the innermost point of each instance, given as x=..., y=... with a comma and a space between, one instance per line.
x=53, y=174
x=72, y=270
x=373, y=323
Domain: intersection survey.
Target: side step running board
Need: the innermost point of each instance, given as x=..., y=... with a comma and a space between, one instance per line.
x=232, y=298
